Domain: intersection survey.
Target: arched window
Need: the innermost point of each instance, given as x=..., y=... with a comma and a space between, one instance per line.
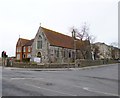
x=39, y=42
x=23, y=55
x=69, y=54
x=39, y=37
x=39, y=54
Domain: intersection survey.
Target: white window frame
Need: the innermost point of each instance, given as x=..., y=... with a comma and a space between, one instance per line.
x=28, y=55
x=29, y=48
x=18, y=56
x=24, y=49
x=19, y=49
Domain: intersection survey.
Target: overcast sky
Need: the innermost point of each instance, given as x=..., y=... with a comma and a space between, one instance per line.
x=23, y=17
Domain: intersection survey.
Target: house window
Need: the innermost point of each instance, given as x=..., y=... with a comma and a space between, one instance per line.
x=24, y=49
x=58, y=53
x=28, y=55
x=29, y=48
x=17, y=49
x=39, y=54
x=18, y=56
x=23, y=55
x=51, y=52
x=69, y=54
x=73, y=55
x=55, y=52
x=39, y=44
x=39, y=37
x=64, y=53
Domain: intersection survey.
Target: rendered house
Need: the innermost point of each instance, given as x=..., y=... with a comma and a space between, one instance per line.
x=107, y=52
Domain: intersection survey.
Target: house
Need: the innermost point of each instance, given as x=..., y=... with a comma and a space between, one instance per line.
x=23, y=49
x=107, y=52
x=104, y=50
x=50, y=46
x=115, y=52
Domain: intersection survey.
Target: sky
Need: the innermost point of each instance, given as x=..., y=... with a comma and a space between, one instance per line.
x=23, y=18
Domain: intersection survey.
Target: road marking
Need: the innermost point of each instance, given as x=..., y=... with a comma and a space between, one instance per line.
x=17, y=78
x=94, y=90
x=50, y=90
x=84, y=88
x=89, y=89
x=26, y=78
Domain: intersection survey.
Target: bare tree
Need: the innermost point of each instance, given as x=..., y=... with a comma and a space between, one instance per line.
x=83, y=33
x=85, y=38
x=115, y=44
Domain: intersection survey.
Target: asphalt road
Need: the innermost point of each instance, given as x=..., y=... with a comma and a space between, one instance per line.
x=101, y=81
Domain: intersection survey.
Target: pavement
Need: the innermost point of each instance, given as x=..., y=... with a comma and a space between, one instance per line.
x=89, y=81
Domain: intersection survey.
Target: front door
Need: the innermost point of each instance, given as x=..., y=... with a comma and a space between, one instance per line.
x=39, y=56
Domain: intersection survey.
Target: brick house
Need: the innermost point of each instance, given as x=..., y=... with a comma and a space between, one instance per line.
x=53, y=47
x=27, y=49
x=23, y=49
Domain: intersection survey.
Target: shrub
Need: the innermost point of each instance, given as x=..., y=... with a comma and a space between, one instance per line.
x=26, y=60
x=17, y=60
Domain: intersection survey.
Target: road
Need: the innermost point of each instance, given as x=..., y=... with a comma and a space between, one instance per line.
x=101, y=81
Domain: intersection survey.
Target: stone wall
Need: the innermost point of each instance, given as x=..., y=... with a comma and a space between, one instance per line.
x=83, y=63
x=60, y=55
x=79, y=63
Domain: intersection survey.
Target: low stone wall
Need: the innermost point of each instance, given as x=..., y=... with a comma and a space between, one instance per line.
x=79, y=63
x=47, y=65
x=23, y=65
x=83, y=63
x=59, y=65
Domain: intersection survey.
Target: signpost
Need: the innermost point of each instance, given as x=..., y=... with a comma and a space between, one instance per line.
x=37, y=60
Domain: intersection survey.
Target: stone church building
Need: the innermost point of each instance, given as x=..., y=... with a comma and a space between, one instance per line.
x=53, y=47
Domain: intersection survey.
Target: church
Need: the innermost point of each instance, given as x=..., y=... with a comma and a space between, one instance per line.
x=52, y=47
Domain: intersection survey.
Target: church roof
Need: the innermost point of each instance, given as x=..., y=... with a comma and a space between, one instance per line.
x=61, y=40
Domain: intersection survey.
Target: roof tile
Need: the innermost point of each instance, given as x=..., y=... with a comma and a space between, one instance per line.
x=61, y=40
